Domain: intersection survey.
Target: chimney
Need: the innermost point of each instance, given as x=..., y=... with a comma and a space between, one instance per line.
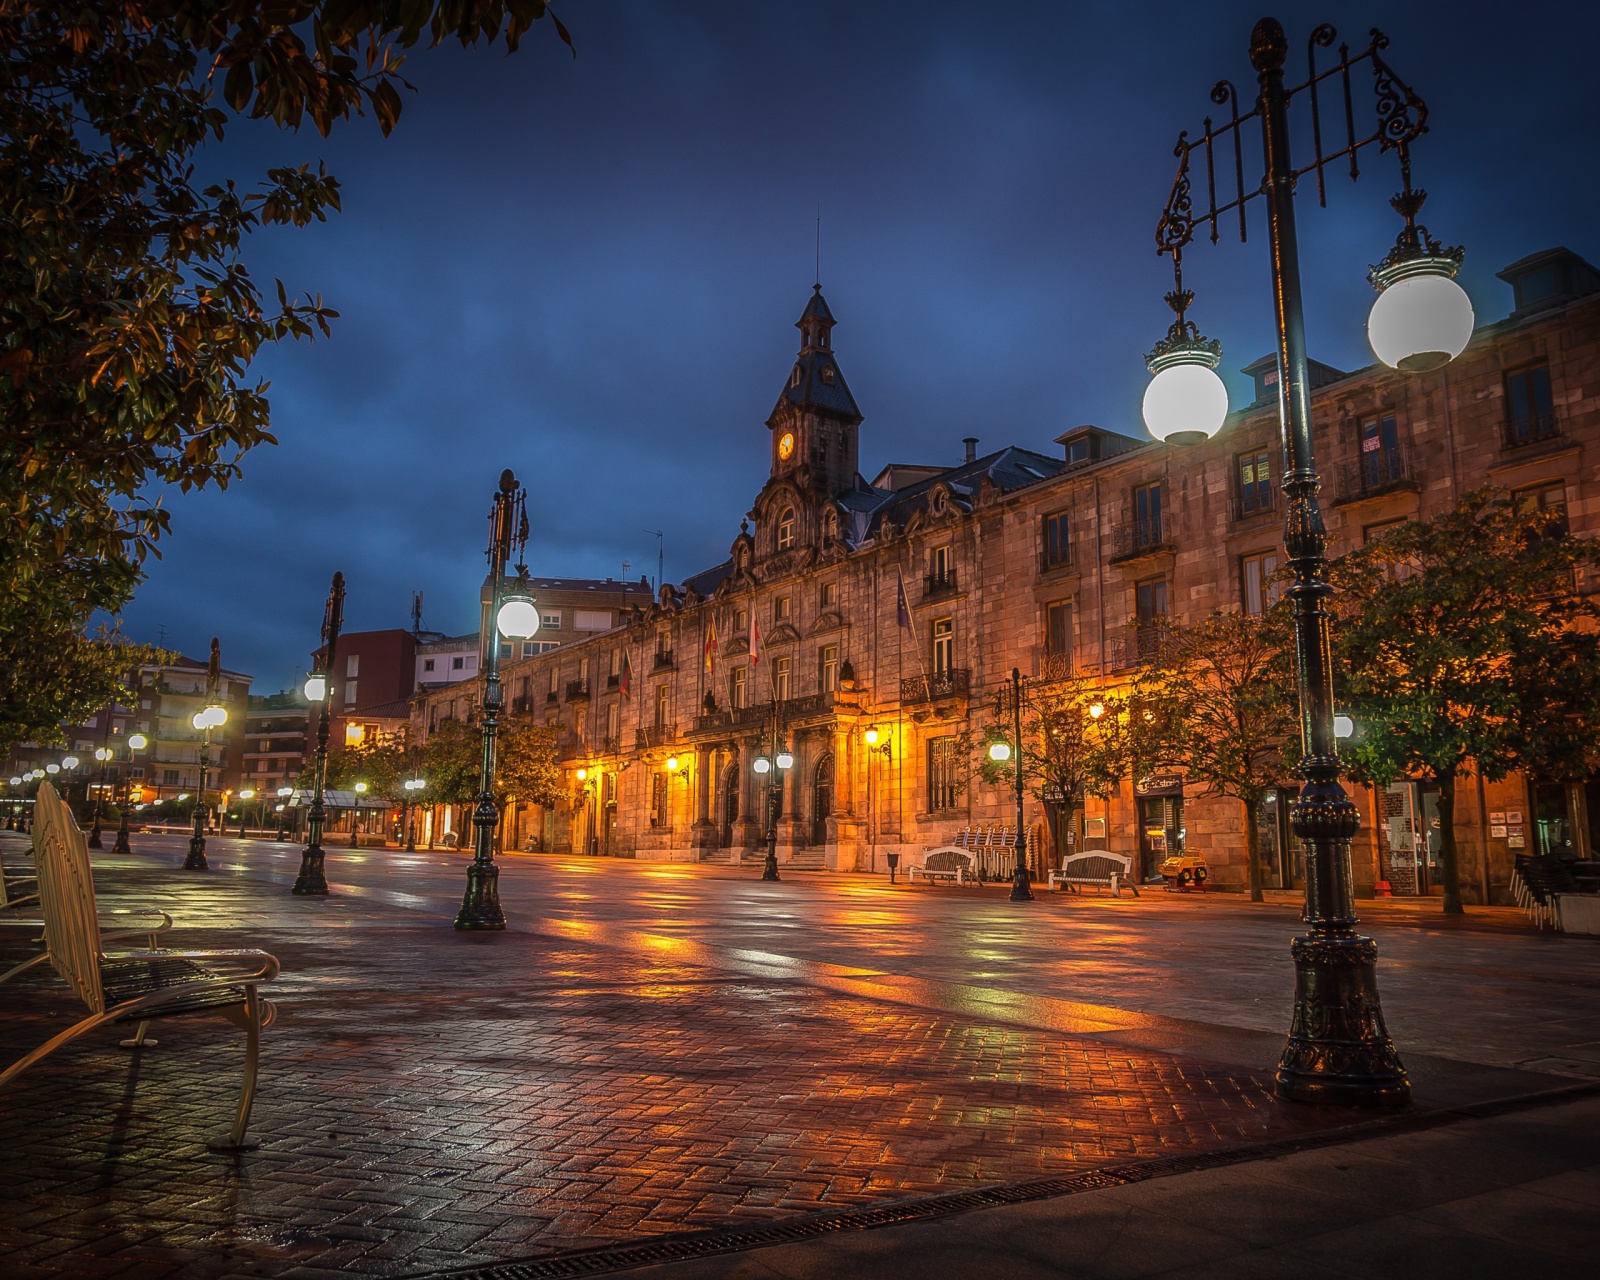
x=972, y=447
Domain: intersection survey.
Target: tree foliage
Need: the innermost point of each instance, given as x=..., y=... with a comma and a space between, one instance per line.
x=527, y=767
x=1462, y=639
x=1221, y=704
x=450, y=763
x=52, y=674
x=128, y=320
x=1074, y=742
x=379, y=760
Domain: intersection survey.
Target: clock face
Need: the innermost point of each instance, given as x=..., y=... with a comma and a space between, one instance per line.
x=786, y=445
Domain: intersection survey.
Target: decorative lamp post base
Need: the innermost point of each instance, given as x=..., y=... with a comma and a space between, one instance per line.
x=480, y=908
x=121, y=845
x=1339, y=1052
x=95, y=841
x=1021, y=889
x=769, y=868
x=196, y=861
x=311, y=880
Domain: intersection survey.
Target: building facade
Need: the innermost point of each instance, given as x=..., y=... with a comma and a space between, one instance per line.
x=867, y=627
x=276, y=744
x=169, y=766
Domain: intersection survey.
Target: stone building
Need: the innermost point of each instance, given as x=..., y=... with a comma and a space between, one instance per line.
x=878, y=620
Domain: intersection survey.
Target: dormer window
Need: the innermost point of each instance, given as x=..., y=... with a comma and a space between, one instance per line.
x=830, y=525
x=827, y=374
x=785, y=528
x=794, y=378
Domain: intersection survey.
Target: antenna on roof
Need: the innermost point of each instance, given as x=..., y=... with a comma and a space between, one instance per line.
x=661, y=557
x=416, y=613
x=161, y=638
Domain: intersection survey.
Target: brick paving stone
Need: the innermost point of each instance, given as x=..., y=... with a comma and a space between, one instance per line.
x=431, y=1097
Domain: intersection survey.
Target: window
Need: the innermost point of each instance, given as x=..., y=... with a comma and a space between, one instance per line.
x=1380, y=451
x=505, y=653
x=781, y=608
x=785, y=528
x=349, y=692
x=352, y=665
x=528, y=649
x=827, y=371
x=1530, y=412
x=555, y=676
x=737, y=687
x=1057, y=544
x=1078, y=451
x=780, y=678
x=613, y=721
x=1147, y=513
x=944, y=645
x=1255, y=481
x=795, y=376
x=741, y=621
x=613, y=662
x=828, y=668
x=939, y=564
x=1373, y=531
x=830, y=525
x=591, y=620
x=551, y=620
x=943, y=785
x=1058, y=628
x=1150, y=602
x=583, y=670
x=828, y=596
x=456, y=664
x=1258, y=589
x=1548, y=497
x=663, y=704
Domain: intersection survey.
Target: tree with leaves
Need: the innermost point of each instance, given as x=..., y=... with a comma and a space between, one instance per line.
x=1074, y=744
x=1461, y=641
x=1221, y=703
x=527, y=765
x=128, y=319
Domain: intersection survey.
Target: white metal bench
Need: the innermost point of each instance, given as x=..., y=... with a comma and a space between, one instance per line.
x=945, y=863
x=1098, y=867
x=135, y=986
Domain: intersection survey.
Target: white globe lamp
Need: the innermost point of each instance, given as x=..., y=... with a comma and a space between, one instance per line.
x=999, y=752
x=1422, y=319
x=316, y=688
x=518, y=618
x=1185, y=402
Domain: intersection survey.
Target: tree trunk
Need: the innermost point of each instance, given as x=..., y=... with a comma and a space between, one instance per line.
x=1449, y=863
x=1252, y=848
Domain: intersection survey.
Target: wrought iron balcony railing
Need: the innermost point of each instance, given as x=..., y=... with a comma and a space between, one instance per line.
x=1375, y=472
x=577, y=690
x=1249, y=508
x=1137, y=647
x=950, y=683
x=1133, y=538
x=1050, y=561
x=663, y=660
x=1531, y=429
x=937, y=584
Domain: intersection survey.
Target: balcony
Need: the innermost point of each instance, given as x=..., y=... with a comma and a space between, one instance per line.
x=613, y=682
x=577, y=691
x=1135, y=538
x=663, y=661
x=1379, y=472
x=941, y=684
x=1242, y=509
x=1138, y=647
x=1533, y=428
x=1051, y=561
x=657, y=735
x=522, y=703
x=790, y=710
x=610, y=746
x=551, y=697
x=1056, y=666
x=939, y=584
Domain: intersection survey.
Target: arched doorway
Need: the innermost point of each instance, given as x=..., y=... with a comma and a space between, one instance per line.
x=821, y=799
x=728, y=807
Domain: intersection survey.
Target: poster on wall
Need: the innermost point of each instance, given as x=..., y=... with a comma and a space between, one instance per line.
x=1514, y=817
x=1497, y=818
x=1497, y=832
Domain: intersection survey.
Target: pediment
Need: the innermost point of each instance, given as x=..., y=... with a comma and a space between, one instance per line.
x=783, y=633
x=830, y=621
x=738, y=645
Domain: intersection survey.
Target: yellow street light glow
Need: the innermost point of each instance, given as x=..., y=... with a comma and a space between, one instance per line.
x=672, y=764
x=871, y=736
x=1097, y=709
x=52, y=768
x=582, y=774
x=102, y=753
x=1000, y=751
x=247, y=794
x=361, y=786
x=69, y=762
x=138, y=742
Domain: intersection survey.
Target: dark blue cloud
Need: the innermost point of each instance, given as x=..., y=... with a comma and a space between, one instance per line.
x=588, y=269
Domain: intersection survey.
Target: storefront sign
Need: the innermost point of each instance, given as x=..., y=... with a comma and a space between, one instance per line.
x=1497, y=832
x=1159, y=784
x=1515, y=842
x=1497, y=818
x=1514, y=816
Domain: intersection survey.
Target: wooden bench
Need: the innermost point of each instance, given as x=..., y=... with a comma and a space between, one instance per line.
x=1098, y=867
x=945, y=863
x=136, y=986
x=15, y=891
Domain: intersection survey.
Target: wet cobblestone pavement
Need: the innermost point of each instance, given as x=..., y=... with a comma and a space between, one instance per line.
x=432, y=1099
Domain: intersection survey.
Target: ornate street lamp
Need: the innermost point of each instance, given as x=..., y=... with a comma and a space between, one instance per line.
x=515, y=616
x=311, y=879
x=412, y=786
x=245, y=794
x=282, y=811
x=1021, y=888
x=211, y=716
x=773, y=768
x=1338, y=1048
x=103, y=754
x=360, y=789
x=136, y=742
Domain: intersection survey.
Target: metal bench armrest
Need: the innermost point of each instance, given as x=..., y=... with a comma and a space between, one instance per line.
x=265, y=970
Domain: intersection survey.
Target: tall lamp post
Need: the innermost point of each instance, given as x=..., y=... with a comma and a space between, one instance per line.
x=136, y=742
x=1338, y=1048
x=209, y=717
x=311, y=879
x=1000, y=752
x=514, y=615
x=774, y=768
x=412, y=785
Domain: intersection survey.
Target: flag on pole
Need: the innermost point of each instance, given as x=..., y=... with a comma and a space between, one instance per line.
x=902, y=611
x=627, y=675
x=755, y=639
x=711, y=645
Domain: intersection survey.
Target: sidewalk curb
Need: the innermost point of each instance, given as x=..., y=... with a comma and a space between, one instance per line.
x=607, y=1259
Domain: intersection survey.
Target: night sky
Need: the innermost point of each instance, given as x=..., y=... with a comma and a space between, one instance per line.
x=588, y=270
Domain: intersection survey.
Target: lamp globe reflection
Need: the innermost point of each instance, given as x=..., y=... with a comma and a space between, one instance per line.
x=1422, y=318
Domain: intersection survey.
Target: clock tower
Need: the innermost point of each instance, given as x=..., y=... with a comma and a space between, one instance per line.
x=814, y=424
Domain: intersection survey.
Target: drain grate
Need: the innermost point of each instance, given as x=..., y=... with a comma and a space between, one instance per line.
x=702, y=1244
